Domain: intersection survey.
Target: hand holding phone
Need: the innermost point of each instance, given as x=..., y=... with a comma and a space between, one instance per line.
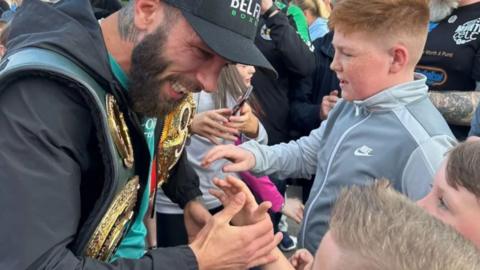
x=242, y=100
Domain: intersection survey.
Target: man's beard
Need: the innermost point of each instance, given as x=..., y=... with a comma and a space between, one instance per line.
x=440, y=9
x=145, y=81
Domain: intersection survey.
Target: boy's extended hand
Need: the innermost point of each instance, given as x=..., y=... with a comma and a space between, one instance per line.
x=242, y=160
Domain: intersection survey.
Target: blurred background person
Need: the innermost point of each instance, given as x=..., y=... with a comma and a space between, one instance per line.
x=316, y=12
x=451, y=61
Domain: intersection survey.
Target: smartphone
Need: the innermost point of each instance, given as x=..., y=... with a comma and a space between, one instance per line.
x=242, y=100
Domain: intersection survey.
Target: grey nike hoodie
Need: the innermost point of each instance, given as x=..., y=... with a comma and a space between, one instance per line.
x=396, y=134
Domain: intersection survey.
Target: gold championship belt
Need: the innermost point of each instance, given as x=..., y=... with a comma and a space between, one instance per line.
x=174, y=136
x=108, y=233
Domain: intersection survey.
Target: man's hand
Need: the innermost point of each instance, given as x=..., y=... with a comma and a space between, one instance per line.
x=251, y=211
x=293, y=209
x=242, y=159
x=302, y=260
x=246, y=122
x=328, y=102
x=220, y=245
x=195, y=217
x=211, y=125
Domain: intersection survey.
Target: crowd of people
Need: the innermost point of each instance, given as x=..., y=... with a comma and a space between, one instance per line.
x=162, y=134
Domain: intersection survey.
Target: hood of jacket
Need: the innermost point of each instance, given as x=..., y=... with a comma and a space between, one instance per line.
x=68, y=27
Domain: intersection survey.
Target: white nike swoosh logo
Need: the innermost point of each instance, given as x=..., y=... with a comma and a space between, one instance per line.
x=360, y=153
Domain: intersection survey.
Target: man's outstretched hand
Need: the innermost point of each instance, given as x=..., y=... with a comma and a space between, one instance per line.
x=220, y=245
x=251, y=211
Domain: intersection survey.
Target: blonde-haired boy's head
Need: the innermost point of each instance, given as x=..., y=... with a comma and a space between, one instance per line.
x=377, y=44
x=375, y=228
x=391, y=21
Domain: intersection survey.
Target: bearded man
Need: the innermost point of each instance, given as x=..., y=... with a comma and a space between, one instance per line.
x=75, y=163
x=439, y=9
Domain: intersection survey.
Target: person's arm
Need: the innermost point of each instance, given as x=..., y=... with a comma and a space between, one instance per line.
x=457, y=107
x=307, y=116
x=300, y=23
x=195, y=217
x=304, y=114
x=45, y=140
x=297, y=158
x=281, y=263
x=296, y=55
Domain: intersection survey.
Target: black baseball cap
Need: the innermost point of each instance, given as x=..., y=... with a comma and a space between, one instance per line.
x=228, y=27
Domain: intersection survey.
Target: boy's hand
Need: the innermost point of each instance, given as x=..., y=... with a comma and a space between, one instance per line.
x=242, y=160
x=328, y=102
x=211, y=125
x=302, y=259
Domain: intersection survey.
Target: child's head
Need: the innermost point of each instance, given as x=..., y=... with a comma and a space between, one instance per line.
x=233, y=81
x=377, y=43
x=455, y=196
x=373, y=228
x=246, y=73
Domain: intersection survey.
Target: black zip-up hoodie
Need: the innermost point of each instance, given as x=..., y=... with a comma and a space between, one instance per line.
x=293, y=60
x=52, y=167
x=308, y=94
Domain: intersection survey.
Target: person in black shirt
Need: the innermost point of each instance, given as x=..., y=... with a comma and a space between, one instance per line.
x=451, y=62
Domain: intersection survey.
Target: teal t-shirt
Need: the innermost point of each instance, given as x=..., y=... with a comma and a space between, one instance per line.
x=132, y=245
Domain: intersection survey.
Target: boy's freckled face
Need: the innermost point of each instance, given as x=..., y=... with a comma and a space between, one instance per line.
x=361, y=63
